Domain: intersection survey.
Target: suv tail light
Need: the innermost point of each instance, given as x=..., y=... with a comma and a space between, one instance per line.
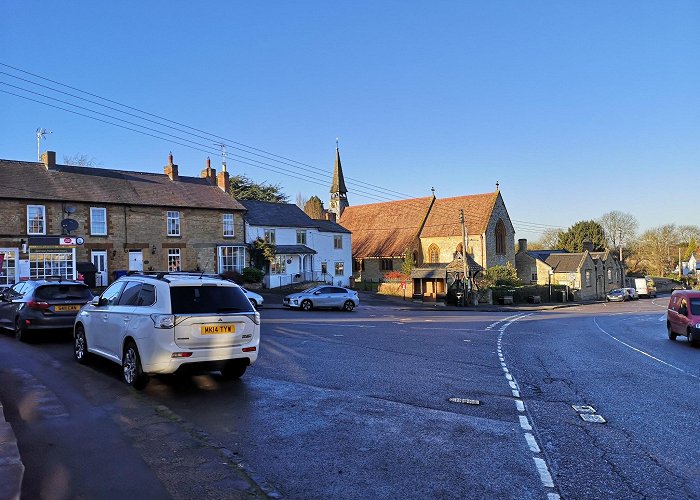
x=256, y=318
x=34, y=304
x=165, y=321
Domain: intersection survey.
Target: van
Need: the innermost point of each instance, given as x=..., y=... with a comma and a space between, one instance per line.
x=683, y=315
x=645, y=286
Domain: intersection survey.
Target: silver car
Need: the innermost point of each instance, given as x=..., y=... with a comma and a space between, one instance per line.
x=323, y=296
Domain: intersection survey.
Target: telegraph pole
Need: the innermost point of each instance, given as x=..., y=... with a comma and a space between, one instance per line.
x=465, y=266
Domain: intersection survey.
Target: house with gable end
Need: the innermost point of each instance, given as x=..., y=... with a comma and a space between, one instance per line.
x=306, y=249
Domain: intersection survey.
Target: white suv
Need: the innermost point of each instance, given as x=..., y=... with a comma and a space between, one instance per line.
x=167, y=323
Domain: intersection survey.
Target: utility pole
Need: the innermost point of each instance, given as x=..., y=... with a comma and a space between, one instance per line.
x=465, y=266
x=679, y=263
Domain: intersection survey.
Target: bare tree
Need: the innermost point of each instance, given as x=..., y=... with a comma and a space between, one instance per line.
x=547, y=240
x=656, y=250
x=301, y=201
x=619, y=227
x=687, y=233
x=80, y=160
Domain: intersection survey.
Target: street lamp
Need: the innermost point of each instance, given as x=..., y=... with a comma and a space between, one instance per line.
x=550, y=272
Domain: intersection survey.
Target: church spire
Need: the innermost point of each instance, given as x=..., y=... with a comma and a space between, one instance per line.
x=339, y=193
x=338, y=185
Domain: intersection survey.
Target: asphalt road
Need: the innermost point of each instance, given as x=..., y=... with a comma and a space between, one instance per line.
x=357, y=405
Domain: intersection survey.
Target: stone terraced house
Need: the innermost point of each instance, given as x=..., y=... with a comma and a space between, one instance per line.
x=55, y=218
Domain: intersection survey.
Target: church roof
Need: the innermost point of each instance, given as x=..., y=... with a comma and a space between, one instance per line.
x=443, y=219
x=385, y=229
x=338, y=185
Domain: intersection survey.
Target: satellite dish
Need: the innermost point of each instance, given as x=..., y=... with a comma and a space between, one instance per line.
x=69, y=225
x=69, y=209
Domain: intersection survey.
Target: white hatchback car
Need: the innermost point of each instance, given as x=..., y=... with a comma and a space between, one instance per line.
x=167, y=323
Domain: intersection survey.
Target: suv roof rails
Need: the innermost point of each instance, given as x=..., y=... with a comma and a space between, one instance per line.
x=161, y=275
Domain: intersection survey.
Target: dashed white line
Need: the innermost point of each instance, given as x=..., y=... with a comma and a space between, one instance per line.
x=524, y=423
x=545, y=476
x=532, y=443
x=542, y=470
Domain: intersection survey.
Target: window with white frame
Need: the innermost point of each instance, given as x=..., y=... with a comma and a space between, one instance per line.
x=228, y=226
x=270, y=236
x=36, y=219
x=173, y=223
x=231, y=258
x=98, y=221
x=301, y=237
x=339, y=268
x=8, y=269
x=278, y=265
x=174, y=259
x=337, y=241
x=44, y=264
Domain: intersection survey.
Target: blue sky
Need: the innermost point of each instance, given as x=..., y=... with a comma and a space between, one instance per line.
x=576, y=108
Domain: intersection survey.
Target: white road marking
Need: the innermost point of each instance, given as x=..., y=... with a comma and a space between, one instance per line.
x=662, y=318
x=644, y=353
x=519, y=405
x=524, y=423
x=545, y=476
x=532, y=443
x=509, y=376
x=512, y=385
x=516, y=394
x=553, y=496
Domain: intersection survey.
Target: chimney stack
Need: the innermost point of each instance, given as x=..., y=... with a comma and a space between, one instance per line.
x=587, y=245
x=222, y=181
x=170, y=169
x=48, y=158
x=522, y=245
x=209, y=173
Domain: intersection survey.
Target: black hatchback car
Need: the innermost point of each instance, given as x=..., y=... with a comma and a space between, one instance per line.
x=41, y=305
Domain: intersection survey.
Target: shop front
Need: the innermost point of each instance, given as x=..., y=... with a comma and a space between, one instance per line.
x=52, y=256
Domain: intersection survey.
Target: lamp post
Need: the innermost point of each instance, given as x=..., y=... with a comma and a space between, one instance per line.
x=550, y=272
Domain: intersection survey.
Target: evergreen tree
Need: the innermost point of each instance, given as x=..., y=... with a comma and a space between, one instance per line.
x=572, y=239
x=242, y=188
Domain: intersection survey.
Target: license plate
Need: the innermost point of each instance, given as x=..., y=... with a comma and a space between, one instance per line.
x=217, y=329
x=66, y=308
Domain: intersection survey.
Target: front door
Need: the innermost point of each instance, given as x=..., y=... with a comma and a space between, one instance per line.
x=135, y=260
x=99, y=259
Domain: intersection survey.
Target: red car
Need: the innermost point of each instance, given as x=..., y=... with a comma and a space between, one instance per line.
x=683, y=315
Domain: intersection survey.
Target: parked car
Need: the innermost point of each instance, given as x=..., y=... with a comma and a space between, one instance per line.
x=255, y=298
x=632, y=293
x=617, y=295
x=167, y=323
x=44, y=304
x=324, y=296
x=683, y=315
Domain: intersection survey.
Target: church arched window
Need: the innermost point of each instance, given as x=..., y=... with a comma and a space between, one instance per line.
x=500, y=237
x=434, y=254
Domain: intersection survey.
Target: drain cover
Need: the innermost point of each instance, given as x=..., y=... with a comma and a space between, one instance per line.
x=597, y=419
x=465, y=401
x=583, y=409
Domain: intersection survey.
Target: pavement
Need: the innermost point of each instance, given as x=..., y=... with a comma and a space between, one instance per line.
x=12, y=468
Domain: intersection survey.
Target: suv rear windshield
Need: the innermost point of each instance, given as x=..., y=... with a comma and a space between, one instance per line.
x=63, y=292
x=208, y=300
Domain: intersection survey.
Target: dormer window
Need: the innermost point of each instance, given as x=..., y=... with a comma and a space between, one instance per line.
x=36, y=219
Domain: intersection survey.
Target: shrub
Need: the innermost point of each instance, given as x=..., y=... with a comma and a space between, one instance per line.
x=252, y=275
x=234, y=276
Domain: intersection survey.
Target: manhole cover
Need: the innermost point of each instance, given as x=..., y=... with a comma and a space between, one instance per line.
x=465, y=401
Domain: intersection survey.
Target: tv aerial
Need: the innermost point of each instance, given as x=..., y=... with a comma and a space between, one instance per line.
x=40, y=134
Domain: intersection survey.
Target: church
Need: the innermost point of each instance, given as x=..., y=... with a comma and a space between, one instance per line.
x=428, y=231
